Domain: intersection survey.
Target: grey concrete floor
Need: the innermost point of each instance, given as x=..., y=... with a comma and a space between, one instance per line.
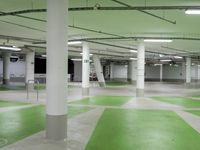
x=80, y=127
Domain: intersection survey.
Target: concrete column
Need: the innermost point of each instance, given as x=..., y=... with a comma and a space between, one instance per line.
x=30, y=59
x=57, y=53
x=129, y=68
x=197, y=73
x=188, y=70
x=85, y=69
x=140, y=70
x=161, y=73
x=111, y=70
x=133, y=72
x=99, y=72
x=6, y=68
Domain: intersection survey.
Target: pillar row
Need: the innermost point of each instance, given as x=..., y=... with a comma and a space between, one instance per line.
x=30, y=59
x=6, y=68
x=188, y=70
x=85, y=69
x=140, y=70
x=57, y=52
x=133, y=71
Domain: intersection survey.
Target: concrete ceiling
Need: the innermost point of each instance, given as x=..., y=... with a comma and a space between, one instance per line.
x=117, y=23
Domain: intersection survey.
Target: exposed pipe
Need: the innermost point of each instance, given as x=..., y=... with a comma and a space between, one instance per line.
x=19, y=25
x=148, y=13
x=70, y=26
x=106, y=9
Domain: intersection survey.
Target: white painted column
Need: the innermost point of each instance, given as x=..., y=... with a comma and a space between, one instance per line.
x=57, y=53
x=133, y=72
x=161, y=73
x=140, y=70
x=99, y=72
x=188, y=70
x=30, y=59
x=6, y=68
x=111, y=70
x=85, y=69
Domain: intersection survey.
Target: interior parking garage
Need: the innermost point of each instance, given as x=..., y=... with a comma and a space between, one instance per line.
x=99, y=75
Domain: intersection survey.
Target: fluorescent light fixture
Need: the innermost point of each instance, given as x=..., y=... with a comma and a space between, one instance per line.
x=161, y=55
x=82, y=54
x=10, y=48
x=133, y=58
x=158, y=40
x=178, y=57
x=165, y=60
x=44, y=55
x=74, y=42
x=193, y=12
x=133, y=51
x=76, y=59
x=157, y=64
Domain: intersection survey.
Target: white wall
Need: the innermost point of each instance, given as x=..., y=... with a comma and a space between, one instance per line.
x=174, y=72
x=17, y=69
x=120, y=71
x=152, y=72
x=77, y=70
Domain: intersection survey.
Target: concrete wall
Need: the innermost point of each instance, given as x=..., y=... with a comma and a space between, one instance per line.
x=152, y=73
x=174, y=73
x=120, y=72
x=17, y=69
x=77, y=70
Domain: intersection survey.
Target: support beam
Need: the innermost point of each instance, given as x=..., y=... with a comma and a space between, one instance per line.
x=57, y=52
x=6, y=68
x=188, y=71
x=133, y=72
x=99, y=72
x=85, y=69
x=30, y=59
x=140, y=70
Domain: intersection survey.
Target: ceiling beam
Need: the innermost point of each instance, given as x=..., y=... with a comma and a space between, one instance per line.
x=26, y=11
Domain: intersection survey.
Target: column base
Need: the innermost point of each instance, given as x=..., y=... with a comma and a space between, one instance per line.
x=139, y=92
x=56, y=127
x=6, y=81
x=85, y=91
x=102, y=84
x=30, y=86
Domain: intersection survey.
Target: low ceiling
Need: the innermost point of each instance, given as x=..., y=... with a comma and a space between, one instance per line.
x=121, y=26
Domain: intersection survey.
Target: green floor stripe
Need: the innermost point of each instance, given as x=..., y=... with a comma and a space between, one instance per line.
x=181, y=101
x=194, y=112
x=9, y=104
x=104, y=100
x=19, y=124
x=8, y=88
x=120, y=129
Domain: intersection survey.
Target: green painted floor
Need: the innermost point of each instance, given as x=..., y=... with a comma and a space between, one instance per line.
x=181, y=101
x=120, y=129
x=8, y=88
x=9, y=104
x=104, y=100
x=194, y=112
x=19, y=124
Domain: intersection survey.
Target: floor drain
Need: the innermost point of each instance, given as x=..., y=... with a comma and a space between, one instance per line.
x=3, y=142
